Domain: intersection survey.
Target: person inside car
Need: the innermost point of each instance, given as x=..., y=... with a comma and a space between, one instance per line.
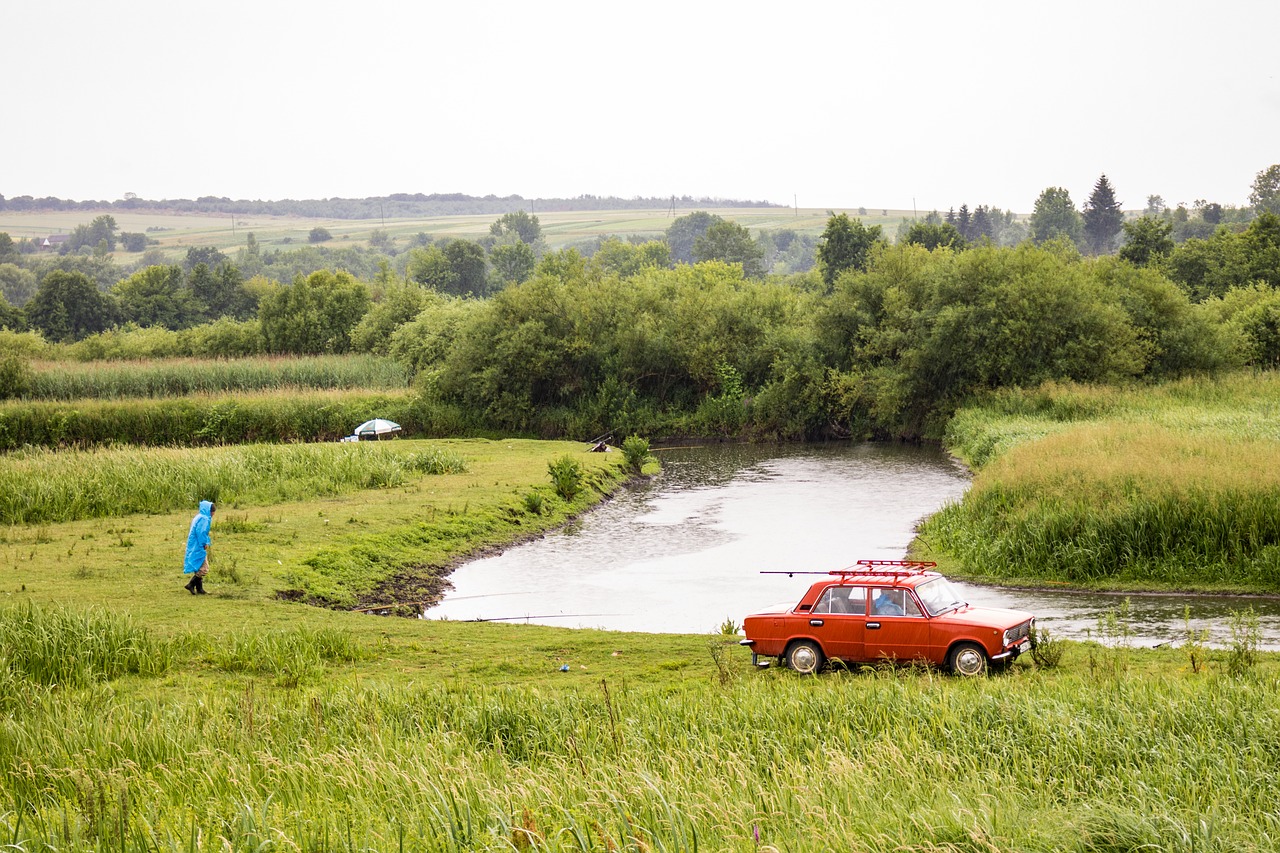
x=885, y=605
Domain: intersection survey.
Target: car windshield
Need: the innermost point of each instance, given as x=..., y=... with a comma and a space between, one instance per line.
x=938, y=596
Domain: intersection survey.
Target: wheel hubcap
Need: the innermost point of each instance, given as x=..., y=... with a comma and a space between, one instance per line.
x=969, y=662
x=803, y=659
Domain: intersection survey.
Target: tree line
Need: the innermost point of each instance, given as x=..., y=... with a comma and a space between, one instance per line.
x=692, y=333
x=878, y=339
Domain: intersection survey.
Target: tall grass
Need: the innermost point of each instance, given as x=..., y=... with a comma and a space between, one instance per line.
x=180, y=377
x=203, y=420
x=59, y=646
x=1243, y=405
x=40, y=486
x=909, y=761
x=291, y=655
x=1175, y=486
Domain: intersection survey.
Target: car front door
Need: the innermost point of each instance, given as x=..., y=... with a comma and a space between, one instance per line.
x=896, y=627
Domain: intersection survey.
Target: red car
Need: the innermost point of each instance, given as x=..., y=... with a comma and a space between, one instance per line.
x=894, y=610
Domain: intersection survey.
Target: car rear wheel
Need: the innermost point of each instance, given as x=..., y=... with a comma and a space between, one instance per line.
x=968, y=659
x=805, y=657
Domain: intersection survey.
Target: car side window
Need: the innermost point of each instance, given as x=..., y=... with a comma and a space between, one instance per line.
x=825, y=602
x=893, y=602
x=858, y=600
x=842, y=599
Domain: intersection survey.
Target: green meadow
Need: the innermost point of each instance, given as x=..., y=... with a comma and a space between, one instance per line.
x=294, y=708
x=338, y=523
x=1172, y=486
x=278, y=713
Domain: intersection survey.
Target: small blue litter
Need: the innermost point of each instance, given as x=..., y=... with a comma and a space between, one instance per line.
x=564, y=668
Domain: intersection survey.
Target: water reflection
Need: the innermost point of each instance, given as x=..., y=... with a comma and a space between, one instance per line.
x=684, y=552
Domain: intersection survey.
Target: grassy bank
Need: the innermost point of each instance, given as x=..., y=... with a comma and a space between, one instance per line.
x=342, y=525
x=1169, y=487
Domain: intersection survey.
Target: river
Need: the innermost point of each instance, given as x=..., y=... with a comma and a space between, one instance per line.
x=685, y=551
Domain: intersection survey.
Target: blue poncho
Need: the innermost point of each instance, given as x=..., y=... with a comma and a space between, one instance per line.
x=198, y=538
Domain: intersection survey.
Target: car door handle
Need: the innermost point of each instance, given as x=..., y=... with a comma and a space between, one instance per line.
x=817, y=623
x=871, y=625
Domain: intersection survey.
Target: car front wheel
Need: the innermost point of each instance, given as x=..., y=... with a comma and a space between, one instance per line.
x=968, y=659
x=805, y=657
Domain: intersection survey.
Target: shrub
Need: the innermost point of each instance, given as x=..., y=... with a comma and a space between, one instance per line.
x=533, y=503
x=1046, y=649
x=636, y=451
x=15, y=376
x=566, y=476
x=1242, y=653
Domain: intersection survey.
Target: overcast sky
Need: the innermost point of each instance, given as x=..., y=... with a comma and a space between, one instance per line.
x=832, y=104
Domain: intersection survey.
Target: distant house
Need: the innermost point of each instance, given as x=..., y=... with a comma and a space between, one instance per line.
x=53, y=241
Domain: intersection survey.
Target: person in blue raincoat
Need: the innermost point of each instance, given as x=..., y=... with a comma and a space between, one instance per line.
x=197, y=562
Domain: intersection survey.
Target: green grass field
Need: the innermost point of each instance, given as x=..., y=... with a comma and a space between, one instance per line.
x=283, y=712
x=294, y=519
x=134, y=716
x=560, y=228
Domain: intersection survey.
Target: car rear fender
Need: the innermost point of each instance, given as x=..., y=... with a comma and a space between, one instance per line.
x=802, y=638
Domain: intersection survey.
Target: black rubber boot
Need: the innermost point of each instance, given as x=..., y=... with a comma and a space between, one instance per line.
x=191, y=586
x=199, y=586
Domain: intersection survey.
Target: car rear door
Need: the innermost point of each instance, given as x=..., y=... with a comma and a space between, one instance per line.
x=838, y=621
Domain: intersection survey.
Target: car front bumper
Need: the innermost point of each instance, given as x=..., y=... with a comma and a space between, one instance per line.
x=1012, y=652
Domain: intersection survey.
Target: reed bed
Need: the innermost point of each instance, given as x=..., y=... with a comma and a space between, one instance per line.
x=39, y=486
x=202, y=420
x=1173, y=487
x=180, y=377
x=880, y=762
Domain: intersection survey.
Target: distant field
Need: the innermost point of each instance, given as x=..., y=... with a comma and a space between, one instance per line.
x=560, y=228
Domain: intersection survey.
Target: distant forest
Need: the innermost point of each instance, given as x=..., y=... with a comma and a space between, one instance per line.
x=374, y=207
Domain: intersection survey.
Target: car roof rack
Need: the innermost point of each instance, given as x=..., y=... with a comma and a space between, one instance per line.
x=888, y=568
